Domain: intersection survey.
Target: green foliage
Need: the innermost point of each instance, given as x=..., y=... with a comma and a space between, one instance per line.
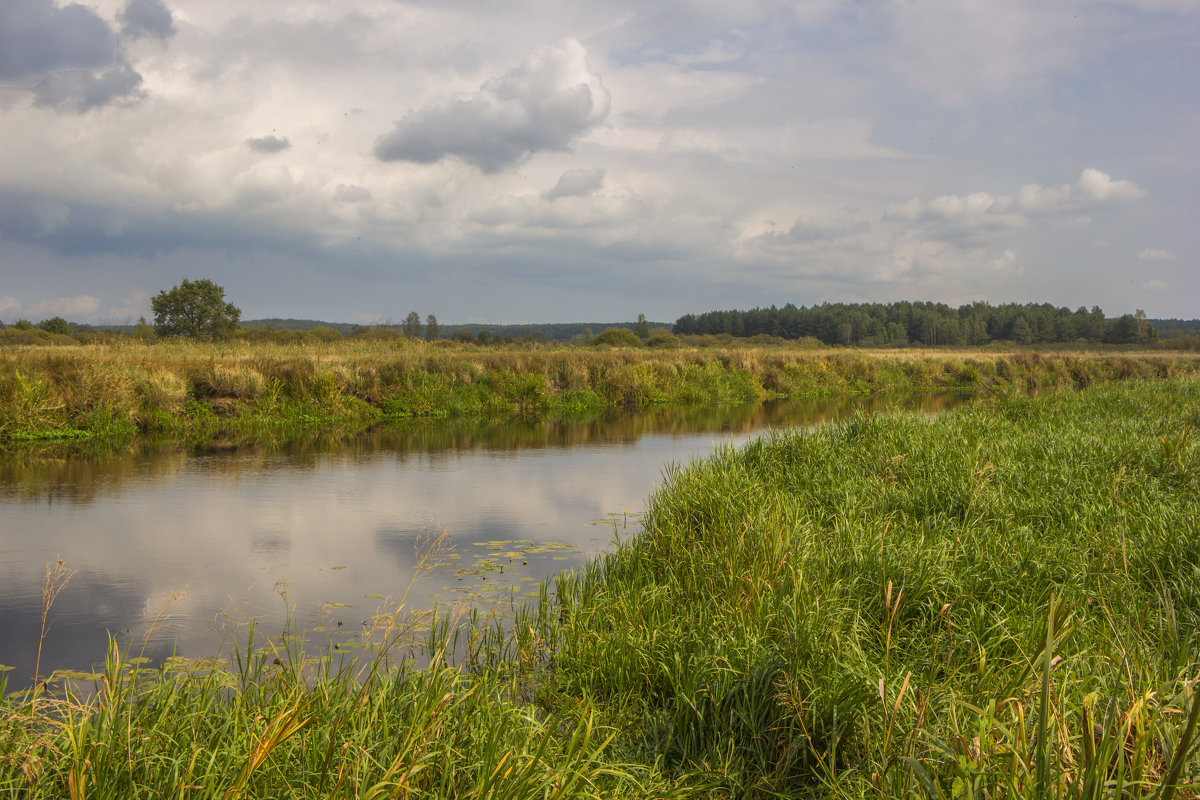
x=899, y=607
x=195, y=309
x=922, y=323
x=642, y=328
x=56, y=325
x=617, y=337
x=412, y=325
x=325, y=334
x=431, y=328
x=143, y=331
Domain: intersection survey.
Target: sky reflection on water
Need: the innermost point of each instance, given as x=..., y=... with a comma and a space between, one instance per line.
x=324, y=529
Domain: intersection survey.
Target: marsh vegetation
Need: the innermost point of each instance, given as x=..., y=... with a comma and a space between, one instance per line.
x=243, y=391
x=999, y=602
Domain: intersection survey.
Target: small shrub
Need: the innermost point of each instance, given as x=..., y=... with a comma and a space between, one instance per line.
x=617, y=337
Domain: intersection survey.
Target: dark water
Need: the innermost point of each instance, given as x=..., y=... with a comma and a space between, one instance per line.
x=178, y=551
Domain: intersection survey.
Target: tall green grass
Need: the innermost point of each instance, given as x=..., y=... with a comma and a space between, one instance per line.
x=1003, y=602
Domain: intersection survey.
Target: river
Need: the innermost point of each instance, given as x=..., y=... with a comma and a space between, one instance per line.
x=178, y=550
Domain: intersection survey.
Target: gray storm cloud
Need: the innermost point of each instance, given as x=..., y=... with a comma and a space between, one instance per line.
x=82, y=90
x=147, y=18
x=543, y=104
x=38, y=38
x=268, y=143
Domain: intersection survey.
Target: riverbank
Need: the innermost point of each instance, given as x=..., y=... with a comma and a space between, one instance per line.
x=1001, y=601
x=244, y=391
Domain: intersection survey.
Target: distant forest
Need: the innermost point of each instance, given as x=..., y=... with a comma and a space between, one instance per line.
x=918, y=323
x=864, y=324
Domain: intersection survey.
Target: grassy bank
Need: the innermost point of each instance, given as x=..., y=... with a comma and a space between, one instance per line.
x=239, y=390
x=1000, y=602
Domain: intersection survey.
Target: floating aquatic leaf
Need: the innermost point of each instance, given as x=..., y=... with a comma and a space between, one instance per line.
x=340, y=567
x=373, y=596
x=74, y=675
x=183, y=663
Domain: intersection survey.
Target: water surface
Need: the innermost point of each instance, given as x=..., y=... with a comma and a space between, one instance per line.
x=179, y=549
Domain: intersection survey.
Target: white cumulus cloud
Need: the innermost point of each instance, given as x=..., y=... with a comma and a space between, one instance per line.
x=1100, y=186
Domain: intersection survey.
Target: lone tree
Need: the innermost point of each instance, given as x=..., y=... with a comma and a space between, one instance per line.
x=412, y=325
x=431, y=328
x=196, y=309
x=642, y=329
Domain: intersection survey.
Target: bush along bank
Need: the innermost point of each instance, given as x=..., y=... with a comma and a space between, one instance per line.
x=998, y=602
x=208, y=391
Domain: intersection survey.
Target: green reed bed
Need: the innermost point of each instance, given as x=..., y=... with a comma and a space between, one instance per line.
x=251, y=391
x=1002, y=602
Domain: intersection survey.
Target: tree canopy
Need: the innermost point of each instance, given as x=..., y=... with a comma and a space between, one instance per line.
x=195, y=309
x=918, y=323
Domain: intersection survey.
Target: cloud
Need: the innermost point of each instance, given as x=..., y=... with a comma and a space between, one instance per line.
x=810, y=230
x=961, y=51
x=1099, y=186
x=351, y=193
x=37, y=38
x=66, y=306
x=544, y=104
x=972, y=219
x=576, y=183
x=1154, y=283
x=980, y=216
x=134, y=304
x=55, y=306
x=1092, y=188
x=81, y=90
x=268, y=143
x=147, y=18
x=1156, y=255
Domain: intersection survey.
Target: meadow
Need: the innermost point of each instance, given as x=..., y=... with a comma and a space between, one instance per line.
x=1000, y=602
x=242, y=390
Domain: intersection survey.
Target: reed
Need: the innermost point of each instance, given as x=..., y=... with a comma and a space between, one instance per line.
x=247, y=390
x=1001, y=602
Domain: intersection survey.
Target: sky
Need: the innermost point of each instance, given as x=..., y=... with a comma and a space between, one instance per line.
x=535, y=161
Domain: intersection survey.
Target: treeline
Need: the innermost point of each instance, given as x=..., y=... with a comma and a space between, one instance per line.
x=920, y=323
x=553, y=331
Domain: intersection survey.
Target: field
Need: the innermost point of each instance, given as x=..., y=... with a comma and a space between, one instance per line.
x=240, y=390
x=1001, y=602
